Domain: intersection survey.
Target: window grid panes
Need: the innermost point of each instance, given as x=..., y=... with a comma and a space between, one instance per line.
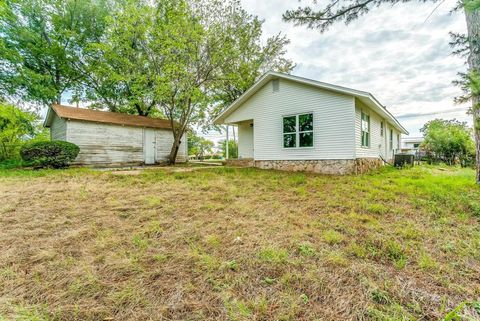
x=298, y=131
x=365, y=124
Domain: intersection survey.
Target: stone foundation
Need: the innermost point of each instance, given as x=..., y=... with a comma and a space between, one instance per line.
x=324, y=166
x=365, y=165
x=321, y=166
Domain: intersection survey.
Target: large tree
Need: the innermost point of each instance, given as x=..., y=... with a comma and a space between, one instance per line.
x=316, y=17
x=179, y=59
x=40, y=42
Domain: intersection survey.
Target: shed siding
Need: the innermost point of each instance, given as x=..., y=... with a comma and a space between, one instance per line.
x=163, y=143
x=106, y=144
x=58, y=128
x=245, y=140
x=333, y=116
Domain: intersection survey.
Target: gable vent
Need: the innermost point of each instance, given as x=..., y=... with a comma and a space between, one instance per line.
x=276, y=85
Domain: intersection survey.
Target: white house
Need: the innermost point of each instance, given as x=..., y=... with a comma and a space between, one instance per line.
x=113, y=139
x=292, y=123
x=411, y=145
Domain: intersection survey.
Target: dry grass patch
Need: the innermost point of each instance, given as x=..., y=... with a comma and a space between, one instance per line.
x=239, y=244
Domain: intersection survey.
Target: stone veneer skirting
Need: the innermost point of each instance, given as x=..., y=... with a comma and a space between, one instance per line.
x=321, y=166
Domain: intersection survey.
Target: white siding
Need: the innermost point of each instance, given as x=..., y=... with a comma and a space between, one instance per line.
x=164, y=141
x=245, y=140
x=58, y=128
x=106, y=144
x=395, y=146
x=333, y=115
x=379, y=146
x=377, y=142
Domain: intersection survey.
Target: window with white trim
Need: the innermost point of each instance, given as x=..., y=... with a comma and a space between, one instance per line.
x=365, y=125
x=298, y=131
x=381, y=128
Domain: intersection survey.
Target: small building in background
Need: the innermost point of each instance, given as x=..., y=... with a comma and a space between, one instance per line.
x=411, y=145
x=113, y=139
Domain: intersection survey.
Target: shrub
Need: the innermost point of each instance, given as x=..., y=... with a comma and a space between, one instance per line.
x=54, y=154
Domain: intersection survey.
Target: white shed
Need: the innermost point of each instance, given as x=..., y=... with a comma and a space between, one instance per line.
x=113, y=139
x=292, y=123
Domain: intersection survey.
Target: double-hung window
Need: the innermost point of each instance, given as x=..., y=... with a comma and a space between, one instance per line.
x=365, y=130
x=382, y=128
x=298, y=131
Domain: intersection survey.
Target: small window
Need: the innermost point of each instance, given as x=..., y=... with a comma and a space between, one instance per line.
x=365, y=130
x=398, y=140
x=298, y=131
x=391, y=139
x=381, y=128
x=416, y=145
x=275, y=85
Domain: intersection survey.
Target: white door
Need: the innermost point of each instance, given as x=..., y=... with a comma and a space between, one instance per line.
x=149, y=145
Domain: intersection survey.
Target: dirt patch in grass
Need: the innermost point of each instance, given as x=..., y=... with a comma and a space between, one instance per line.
x=238, y=244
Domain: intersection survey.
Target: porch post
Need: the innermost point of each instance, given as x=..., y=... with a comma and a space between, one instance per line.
x=226, y=146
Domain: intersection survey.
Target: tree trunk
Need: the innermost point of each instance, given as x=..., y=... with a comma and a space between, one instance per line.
x=172, y=158
x=473, y=27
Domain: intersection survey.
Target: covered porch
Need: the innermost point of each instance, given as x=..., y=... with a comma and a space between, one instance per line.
x=245, y=136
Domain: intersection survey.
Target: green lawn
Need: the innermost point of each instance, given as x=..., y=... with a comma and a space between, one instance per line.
x=239, y=244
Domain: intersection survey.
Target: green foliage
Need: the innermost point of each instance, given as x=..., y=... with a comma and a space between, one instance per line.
x=16, y=126
x=42, y=44
x=448, y=141
x=471, y=5
x=181, y=62
x=199, y=146
x=54, y=154
x=232, y=148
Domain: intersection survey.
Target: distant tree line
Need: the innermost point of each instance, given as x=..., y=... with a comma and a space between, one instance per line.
x=448, y=141
x=202, y=148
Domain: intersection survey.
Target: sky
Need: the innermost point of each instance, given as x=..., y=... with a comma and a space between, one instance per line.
x=400, y=54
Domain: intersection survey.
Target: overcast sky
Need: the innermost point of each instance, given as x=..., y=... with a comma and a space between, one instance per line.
x=392, y=52
x=395, y=53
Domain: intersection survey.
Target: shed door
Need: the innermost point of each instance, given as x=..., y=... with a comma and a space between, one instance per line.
x=149, y=145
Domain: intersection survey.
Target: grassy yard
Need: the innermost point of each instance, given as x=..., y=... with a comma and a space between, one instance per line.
x=239, y=244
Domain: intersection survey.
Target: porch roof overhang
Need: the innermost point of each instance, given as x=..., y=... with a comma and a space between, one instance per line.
x=366, y=97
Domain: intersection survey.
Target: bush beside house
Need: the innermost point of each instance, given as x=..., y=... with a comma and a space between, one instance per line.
x=53, y=154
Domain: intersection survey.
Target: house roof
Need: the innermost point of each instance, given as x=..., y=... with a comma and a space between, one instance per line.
x=364, y=96
x=107, y=117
